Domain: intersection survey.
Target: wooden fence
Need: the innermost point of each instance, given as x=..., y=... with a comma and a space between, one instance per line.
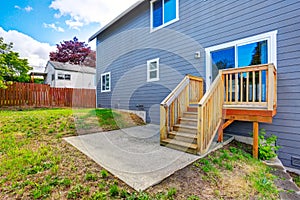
x=41, y=95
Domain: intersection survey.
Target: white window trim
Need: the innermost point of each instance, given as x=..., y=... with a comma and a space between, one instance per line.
x=164, y=24
x=271, y=37
x=104, y=74
x=148, y=70
x=62, y=75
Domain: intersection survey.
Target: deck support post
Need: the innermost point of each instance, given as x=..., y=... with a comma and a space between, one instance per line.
x=255, y=140
x=220, y=133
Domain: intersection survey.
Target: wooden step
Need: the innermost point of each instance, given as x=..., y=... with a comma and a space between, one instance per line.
x=192, y=109
x=188, y=121
x=193, y=115
x=185, y=128
x=179, y=145
x=185, y=137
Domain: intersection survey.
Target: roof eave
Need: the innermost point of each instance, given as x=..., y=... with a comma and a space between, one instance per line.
x=116, y=19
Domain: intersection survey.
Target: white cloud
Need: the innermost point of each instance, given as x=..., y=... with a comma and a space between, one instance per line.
x=36, y=52
x=54, y=27
x=74, y=23
x=84, y=12
x=18, y=7
x=28, y=8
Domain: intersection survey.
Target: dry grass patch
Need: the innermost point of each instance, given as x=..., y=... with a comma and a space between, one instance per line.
x=95, y=120
x=229, y=173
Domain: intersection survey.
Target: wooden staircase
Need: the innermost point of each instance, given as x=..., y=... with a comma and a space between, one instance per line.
x=183, y=136
x=191, y=120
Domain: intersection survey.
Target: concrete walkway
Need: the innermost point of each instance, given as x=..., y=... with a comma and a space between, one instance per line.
x=133, y=155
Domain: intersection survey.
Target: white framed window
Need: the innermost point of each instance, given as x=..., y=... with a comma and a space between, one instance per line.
x=63, y=76
x=163, y=13
x=153, y=70
x=258, y=49
x=67, y=76
x=105, y=82
x=60, y=76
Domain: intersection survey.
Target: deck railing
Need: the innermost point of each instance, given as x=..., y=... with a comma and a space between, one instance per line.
x=210, y=114
x=253, y=87
x=188, y=91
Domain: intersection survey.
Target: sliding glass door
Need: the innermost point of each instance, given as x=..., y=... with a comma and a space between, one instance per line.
x=250, y=51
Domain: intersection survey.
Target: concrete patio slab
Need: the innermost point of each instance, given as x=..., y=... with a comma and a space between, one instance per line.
x=134, y=155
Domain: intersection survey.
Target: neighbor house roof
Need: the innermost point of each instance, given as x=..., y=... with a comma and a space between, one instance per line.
x=71, y=67
x=117, y=19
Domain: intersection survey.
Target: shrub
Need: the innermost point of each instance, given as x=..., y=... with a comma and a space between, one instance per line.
x=267, y=146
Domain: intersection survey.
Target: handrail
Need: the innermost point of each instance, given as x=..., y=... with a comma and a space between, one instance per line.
x=210, y=114
x=246, y=69
x=190, y=89
x=179, y=88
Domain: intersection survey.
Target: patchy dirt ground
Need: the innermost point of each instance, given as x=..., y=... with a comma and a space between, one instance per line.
x=218, y=176
x=296, y=178
x=92, y=121
x=229, y=173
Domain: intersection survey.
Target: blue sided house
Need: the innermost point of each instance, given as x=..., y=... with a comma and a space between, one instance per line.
x=201, y=68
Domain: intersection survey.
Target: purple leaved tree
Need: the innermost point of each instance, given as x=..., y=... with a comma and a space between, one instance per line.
x=72, y=51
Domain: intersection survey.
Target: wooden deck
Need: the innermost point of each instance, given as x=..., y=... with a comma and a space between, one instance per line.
x=242, y=94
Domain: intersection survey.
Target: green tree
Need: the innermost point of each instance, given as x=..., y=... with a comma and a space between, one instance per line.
x=12, y=67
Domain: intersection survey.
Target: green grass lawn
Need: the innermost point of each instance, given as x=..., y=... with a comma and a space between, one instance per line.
x=36, y=163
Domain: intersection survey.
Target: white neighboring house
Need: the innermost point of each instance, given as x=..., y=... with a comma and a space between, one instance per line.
x=66, y=75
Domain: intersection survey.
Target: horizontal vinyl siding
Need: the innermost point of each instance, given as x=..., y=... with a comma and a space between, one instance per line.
x=204, y=24
x=129, y=82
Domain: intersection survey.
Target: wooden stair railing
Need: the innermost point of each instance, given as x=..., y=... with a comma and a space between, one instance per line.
x=173, y=113
x=210, y=114
x=243, y=94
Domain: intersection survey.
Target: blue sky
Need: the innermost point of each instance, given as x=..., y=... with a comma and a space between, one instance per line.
x=35, y=26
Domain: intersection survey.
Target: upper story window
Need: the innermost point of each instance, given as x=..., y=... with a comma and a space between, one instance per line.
x=105, y=82
x=163, y=13
x=153, y=70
